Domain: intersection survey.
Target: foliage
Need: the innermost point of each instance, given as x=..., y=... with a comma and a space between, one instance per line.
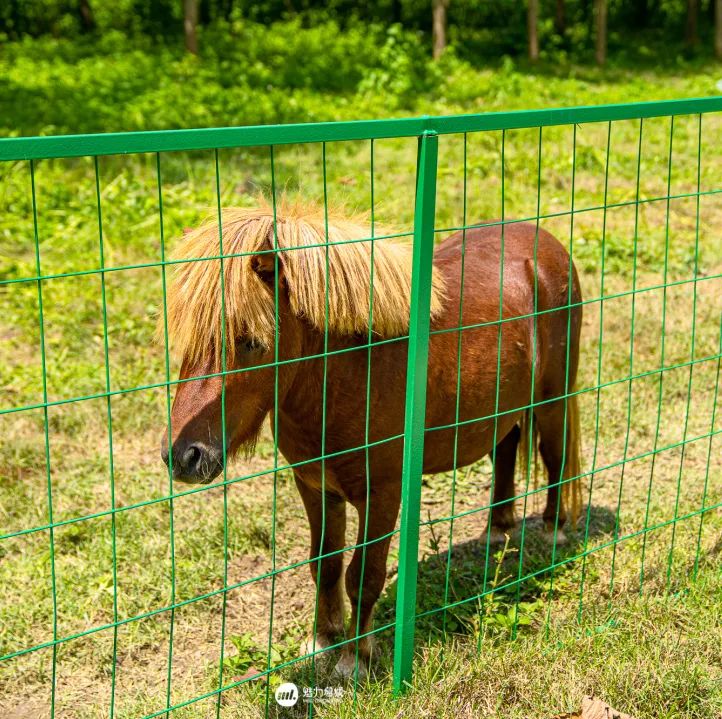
x=251, y=73
x=249, y=657
x=478, y=31
x=403, y=70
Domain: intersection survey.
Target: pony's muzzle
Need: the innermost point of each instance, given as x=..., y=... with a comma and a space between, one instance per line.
x=195, y=463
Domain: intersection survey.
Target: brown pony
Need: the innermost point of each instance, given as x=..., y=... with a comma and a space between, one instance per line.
x=275, y=291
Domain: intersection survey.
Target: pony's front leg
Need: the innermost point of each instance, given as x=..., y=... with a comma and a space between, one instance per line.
x=326, y=572
x=366, y=576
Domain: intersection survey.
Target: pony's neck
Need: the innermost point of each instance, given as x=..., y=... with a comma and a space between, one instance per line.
x=302, y=408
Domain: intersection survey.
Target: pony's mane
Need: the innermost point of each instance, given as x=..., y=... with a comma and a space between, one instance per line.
x=194, y=302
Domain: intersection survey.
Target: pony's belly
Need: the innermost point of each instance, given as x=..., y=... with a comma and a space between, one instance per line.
x=447, y=449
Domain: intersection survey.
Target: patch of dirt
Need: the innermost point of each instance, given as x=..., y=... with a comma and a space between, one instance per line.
x=595, y=709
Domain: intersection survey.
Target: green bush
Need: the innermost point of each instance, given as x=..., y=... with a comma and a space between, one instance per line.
x=248, y=74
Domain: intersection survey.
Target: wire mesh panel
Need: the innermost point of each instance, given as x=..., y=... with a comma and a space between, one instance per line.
x=300, y=318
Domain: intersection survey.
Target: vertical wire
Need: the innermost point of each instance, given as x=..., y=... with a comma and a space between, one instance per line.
x=275, y=419
x=322, y=538
x=691, y=352
x=709, y=452
x=324, y=398
x=631, y=365
x=592, y=475
x=111, y=467
x=570, y=283
x=41, y=327
x=457, y=408
x=170, y=434
x=530, y=437
x=369, y=339
x=224, y=369
x=660, y=384
x=498, y=369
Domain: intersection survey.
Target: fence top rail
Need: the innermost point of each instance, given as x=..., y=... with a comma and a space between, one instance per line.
x=114, y=143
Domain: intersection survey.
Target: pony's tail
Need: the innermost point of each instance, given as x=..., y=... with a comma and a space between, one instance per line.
x=529, y=449
x=529, y=456
x=572, y=489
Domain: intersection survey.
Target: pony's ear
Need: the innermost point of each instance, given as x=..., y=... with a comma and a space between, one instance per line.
x=264, y=265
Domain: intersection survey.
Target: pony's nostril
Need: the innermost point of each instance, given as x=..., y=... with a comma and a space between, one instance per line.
x=192, y=459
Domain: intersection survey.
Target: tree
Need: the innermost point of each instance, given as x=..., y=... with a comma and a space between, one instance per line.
x=87, y=19
x=690, y=35
x=532, y=21
x=190, y=25
x=560, y=19
x=600, y=31
x=438, y=28
x=718, y=29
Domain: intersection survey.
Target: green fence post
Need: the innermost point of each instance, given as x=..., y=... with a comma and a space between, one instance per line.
x=418, y=355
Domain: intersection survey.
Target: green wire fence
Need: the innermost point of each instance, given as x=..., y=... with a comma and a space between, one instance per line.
x=643, y=383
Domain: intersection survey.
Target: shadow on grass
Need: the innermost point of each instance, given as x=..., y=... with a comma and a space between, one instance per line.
x=497, y=588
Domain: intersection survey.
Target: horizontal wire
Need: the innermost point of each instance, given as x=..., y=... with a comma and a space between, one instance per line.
x=237, y=585
x=383, y=537
x=17, y=149
x=575, y=393
x=574, y=478
x=359, y=448
x=205, y=487
x=576, y=557
x=267, y=672
x=390, y=236
x=192, y=600
x=205, y=258
x=353, y=348
x=582, y=210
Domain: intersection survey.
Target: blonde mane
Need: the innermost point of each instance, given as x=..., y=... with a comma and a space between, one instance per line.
x=194, y=302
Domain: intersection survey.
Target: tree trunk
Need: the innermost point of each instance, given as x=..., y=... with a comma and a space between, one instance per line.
x=641, y=14
x=438, y=28
x=532, y=20
x=560, y=19
x=600, y=31
x=690, y=35
x=190, y=24
x=718, y=29
x=87, y=20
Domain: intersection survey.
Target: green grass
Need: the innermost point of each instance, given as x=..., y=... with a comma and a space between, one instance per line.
x=648, y=644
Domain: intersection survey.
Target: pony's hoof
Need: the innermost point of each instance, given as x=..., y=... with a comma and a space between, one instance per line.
x=495, y=535
x=346, y=667
x=309, y=647
x=552, y=537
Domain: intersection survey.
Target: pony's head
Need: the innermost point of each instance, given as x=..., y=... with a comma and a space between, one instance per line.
x=252, y=294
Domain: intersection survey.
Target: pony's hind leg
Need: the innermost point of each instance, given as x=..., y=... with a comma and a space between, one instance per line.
x=326, y=572
x=501, y=519
x=552, y=447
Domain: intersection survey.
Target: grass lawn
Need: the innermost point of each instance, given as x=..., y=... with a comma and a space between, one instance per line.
x=625, y=619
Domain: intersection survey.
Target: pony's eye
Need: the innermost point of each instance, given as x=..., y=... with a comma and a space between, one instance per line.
x=250, y=346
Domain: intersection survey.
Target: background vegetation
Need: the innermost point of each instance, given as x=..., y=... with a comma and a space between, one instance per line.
x=69, y=67
x=638, y=631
